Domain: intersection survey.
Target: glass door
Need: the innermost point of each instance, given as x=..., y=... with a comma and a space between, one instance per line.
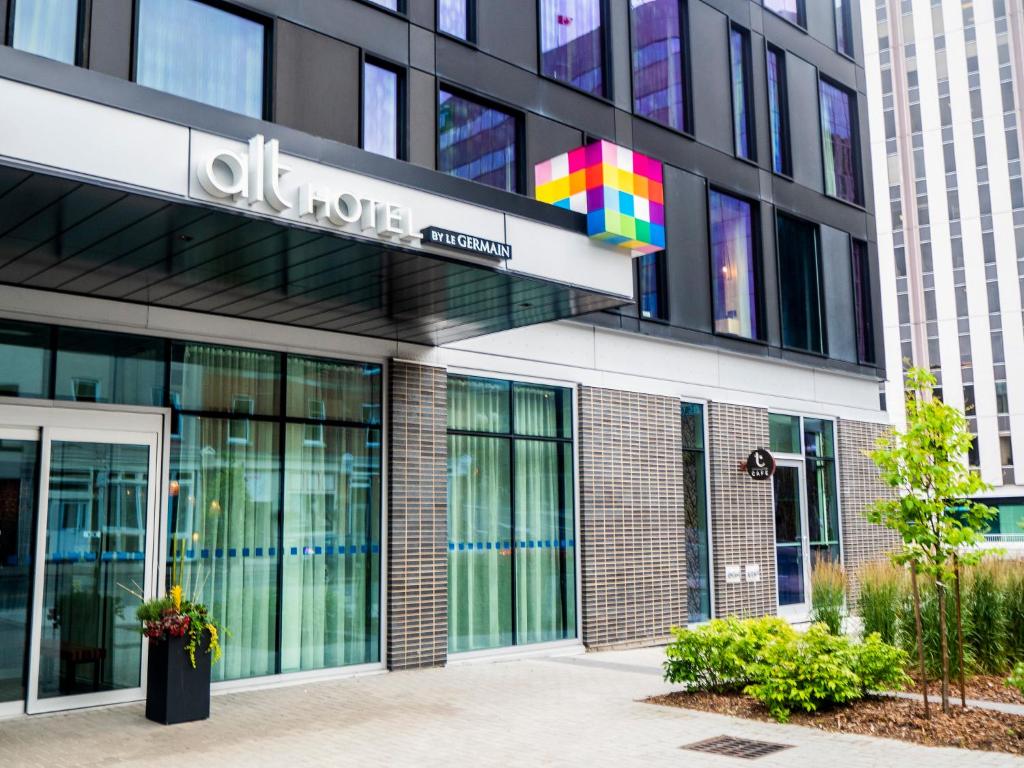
x=792, y=556
x=94, y=560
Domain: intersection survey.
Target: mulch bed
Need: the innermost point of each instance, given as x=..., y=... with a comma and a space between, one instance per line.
x=902, y=719
x=982, y=687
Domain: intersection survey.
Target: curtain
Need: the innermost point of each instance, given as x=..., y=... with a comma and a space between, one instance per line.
x=327, y=389
x=47, y=28
x=330, y=600
x=225, y=379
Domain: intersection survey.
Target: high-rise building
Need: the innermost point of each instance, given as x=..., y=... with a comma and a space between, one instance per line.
x=944, y=85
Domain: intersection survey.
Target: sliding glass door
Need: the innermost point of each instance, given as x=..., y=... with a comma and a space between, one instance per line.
x=511, y=540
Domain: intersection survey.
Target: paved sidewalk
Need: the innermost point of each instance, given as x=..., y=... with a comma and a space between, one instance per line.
x=565, y=711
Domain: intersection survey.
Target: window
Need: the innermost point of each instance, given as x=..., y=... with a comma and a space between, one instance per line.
x=660, y=61
x=800, y=281
x=457, y=18
x=383, y=113
x=511, y=540
x=791, y=10
x=47, y=28
x=651, y=282
x=477, y=142
x=698, y=551
x=398, y=6
x=862, y=309
x=840, y=142
x=110, y=368
x=201, y=52
x=844, y=27
x=572, y=43
x=822, y=498
x=778, y=111
x=744, y=137
x=734, y=267
x=25, y=351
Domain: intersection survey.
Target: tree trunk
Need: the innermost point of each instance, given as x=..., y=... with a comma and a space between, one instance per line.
x=959, y=632
x=940, y=593
x=920, y=639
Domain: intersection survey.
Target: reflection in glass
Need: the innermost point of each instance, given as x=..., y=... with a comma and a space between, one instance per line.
x=742, y=114
x=380, y=110
x=476, y=142
x=822, y=510
x=96, y=367
x=733, y=266
x=330, y=600
x=800, y=294
x=659, y=77
x=201, y=52
x=95, y=541
x=698, y=554
x=542, y=411
x=649, y=269
x=332, y=390
x=784, y=433
x=453, y=18
x=572, y=44
x=839, y=139
x=791, y=10
x=479, y=543
x=844, y=27
x=789, y=553
x=18, y=459
x=863, y=313
x=225, y=379
x=47, y=28
x=224, y=510
x=478, y=405
x=25, y=352
x=777, y=111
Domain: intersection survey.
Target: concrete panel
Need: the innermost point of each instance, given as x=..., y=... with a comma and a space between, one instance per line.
x=712, y=108
x=422, y=115
x=804, y=123
x=506, y=32
x=688, y=260
x=545, y=139
x=110, y=37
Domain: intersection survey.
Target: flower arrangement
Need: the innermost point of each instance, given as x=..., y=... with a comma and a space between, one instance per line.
x=174, y=616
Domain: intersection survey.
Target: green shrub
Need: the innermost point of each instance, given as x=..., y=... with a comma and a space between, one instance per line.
x=883, y=592
x=828, y=595
x=1013, y=610
x=1017, y=678
x=984, y=609
x=880, y=666
x=815, y=669
x=717, y=656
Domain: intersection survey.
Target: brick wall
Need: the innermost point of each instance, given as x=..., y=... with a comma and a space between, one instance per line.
x=742, y=517
x=631, y=517
x=859, y=485
x=417, y=517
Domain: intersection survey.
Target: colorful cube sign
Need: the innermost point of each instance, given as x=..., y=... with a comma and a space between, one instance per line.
x=620, y=191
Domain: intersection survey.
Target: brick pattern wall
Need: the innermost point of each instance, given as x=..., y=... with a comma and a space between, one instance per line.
x=632, y=525
x=742, y=516
x=417, y=626
x=859, y=485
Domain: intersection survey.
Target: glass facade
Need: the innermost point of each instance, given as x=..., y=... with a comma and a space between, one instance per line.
x=698, y=542
x=46, y=28
x=659, y=61
x=790, y=10
x=650, y=280
x=844, y=27
x=733, y=266
x=18, y=484
x=572, y=43
x=511, y=511
x=862, y=307
x=453, y=18
x=267, y=493
x=477, y=142
x=391, y=5
x=96, y=367
x=24, y=348
x=839, y=142
x=201, y=52
x=778, y=111
x=744, y=137
x=822, y=496
x=800, y=285
x=382, y=110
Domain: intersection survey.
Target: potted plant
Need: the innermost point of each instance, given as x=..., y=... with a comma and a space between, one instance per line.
x=184, y=640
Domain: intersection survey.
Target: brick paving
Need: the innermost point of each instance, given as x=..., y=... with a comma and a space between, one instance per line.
x=565, y=711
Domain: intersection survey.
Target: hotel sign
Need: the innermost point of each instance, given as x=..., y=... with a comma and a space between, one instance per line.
x=256, y=177
x=460, y=241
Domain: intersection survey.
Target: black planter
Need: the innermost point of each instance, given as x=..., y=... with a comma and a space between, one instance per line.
x=175, y=692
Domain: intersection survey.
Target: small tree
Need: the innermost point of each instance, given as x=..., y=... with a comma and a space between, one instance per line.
x=934, y=513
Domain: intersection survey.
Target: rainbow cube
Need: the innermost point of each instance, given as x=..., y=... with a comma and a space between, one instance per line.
x=621, y=192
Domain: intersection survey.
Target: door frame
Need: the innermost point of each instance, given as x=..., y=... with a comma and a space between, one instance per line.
x=44, y=421
x=797, y=611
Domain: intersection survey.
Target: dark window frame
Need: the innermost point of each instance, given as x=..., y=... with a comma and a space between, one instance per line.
x=471, y=38
x=761, y=339
x=402, y=99
x=822, y=299
x=785, y=138
x=801, y=13
x=235, y=10
x=489, y=102
x=607, y=94
x=748, y=92
x=858, y=153
x=847, y=11
x=81, y=43
x=687, y=70
x=661, y=290
x=863, y=311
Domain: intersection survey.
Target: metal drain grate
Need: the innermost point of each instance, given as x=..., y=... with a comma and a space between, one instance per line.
x=748, y=749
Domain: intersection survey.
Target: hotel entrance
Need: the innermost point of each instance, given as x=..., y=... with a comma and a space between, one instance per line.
x=79, y=522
